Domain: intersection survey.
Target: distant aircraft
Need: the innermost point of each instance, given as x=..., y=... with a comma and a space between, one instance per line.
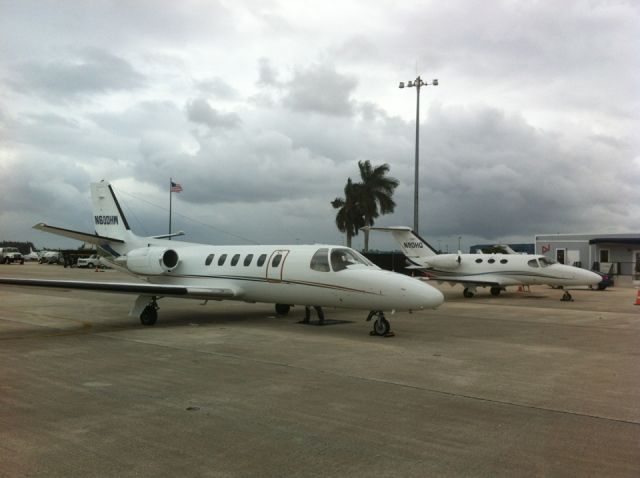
x=32, y=256
x=309, y=275
x=496, y=271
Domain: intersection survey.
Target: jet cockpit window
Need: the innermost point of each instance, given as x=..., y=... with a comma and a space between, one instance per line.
x=276, y=260
x=545, y=262
x=209, y=260
x=343, y=258
x=533, y=263
x=320, y=260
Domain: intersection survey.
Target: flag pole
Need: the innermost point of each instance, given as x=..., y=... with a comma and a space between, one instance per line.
x=170, y=181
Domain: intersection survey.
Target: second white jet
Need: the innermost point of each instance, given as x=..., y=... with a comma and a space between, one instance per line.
x=496, y=271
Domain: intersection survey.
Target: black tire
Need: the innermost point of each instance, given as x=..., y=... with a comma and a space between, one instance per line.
x=149, y=316
x=467, y=293
x=282, y=309
x=495, y=290
x=381, y=326
x=601, y=287
x=90, y=265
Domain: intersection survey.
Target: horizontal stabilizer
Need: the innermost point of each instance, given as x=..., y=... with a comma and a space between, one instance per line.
x=80, y=236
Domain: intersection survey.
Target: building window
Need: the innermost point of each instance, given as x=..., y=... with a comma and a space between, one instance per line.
x=248, y=259
x=604, y=255
x=235, y=259
x=261, y=259
x=221, y=259
x=209, y=260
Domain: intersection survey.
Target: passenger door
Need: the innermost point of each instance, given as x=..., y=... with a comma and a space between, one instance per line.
x=275, y=265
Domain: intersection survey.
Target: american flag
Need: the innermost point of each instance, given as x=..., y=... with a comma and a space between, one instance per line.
x=175, y=187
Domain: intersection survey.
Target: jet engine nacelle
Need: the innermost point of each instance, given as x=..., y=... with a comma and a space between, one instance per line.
x=445, y=261
x=152, y=260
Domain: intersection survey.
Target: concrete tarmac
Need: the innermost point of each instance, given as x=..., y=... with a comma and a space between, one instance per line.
x=516, y=385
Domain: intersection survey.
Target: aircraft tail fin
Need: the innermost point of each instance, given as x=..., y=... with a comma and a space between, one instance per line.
x=413, y=246
x=108, y=217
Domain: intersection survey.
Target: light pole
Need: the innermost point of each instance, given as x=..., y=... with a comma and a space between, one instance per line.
x=417, y=83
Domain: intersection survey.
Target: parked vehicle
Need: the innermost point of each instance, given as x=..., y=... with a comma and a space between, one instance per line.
x=9, y=255
x=607, y=281
x=91, y=261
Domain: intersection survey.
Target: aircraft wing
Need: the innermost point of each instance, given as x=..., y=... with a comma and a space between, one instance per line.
x=454, y=281
x=125, y=288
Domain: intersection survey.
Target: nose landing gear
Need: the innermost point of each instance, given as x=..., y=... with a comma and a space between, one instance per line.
x=566, y=297
x=381, y=325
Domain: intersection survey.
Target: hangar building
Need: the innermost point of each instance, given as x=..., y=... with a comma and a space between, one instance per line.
x=609, y=253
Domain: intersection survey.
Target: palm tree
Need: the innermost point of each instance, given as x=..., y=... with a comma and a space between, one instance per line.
x=374, y=194
x=349, y=218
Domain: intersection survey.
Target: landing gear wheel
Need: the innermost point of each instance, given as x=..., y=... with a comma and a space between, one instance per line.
x=282, y=309
x=495, y=291
x=381, y=326
x=566, y=297
x=468, y=293
x=149, y=315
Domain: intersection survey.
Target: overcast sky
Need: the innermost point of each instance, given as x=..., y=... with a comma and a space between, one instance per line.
x=262, y=109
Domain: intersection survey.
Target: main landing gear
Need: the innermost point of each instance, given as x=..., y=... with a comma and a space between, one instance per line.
x=381, y=325
x=149, y=315
x=468, y=292
x=495, y=290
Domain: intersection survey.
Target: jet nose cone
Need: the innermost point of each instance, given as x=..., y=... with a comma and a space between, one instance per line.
x=428, y=296
x=592, y=278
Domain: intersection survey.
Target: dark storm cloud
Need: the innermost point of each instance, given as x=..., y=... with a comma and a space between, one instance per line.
x=88, y=72
x=320, y=89
x=200, y=111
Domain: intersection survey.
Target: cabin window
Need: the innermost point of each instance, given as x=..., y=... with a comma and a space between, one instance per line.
x=209, y=260
x=276, y=260
x=248, y=259
x=533, y=263
x=343, y=258
x=491, y=261
x=503, y=261
x=221, y=259
x=479, y=261
x=320, y=260
x=261, y=259
x=235, y=259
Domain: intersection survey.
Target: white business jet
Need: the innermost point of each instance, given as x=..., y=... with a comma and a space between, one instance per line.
x=496, y=271
x=308, y=275
x=32, y=256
